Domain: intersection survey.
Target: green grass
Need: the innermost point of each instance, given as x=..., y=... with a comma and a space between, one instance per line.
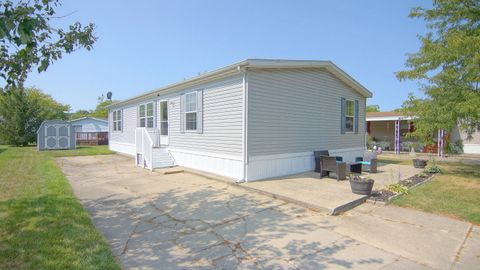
x=454, y=193
x=42, y=224
x=81, y=151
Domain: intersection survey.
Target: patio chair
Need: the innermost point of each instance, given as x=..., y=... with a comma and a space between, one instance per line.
x=368, y=161
x=330, y=164
x=318, y=154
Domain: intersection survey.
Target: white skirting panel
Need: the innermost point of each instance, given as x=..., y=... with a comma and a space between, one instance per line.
x=348, y=154
x=471, y=148
x=228, y=166
x=124, y=148
x=262, y=167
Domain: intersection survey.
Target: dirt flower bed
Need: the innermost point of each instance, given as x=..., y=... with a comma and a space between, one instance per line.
x=416, y=179
x=386, y=194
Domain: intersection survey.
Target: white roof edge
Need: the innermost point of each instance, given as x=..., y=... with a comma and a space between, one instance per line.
x=259, y=63
x=85, y=117
x=388, y=118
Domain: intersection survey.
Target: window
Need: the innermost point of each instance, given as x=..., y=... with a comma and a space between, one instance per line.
x=349, y=115
x=164, y=118
x=117, y=120
x=191, y=111
x=145, y=115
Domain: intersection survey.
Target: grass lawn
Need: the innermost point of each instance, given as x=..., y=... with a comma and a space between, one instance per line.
x=42, y=224
x=455, y=192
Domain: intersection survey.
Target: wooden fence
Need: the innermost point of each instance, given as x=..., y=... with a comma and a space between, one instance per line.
x=92, y=138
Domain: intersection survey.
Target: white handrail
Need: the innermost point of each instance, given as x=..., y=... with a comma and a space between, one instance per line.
x=156, y=137
x=144, y=145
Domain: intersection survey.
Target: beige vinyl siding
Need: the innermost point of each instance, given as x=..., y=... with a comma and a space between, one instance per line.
x=129, y=123
x=222, y=119
x=298, y=110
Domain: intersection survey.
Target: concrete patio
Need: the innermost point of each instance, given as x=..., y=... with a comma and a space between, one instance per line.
x=328, y=194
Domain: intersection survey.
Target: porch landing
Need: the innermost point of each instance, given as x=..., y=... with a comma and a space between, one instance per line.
x=327, y=194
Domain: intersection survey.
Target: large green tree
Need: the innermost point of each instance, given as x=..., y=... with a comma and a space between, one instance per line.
x=447, y=67
x=28, y=40
x=99, y=112
x=373, y=108
x=23, y=110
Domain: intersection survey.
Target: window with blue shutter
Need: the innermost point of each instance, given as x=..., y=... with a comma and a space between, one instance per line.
x=349, y=117
x=356, y=117
x=192, y=111
x=117, y=120
x=342, y=115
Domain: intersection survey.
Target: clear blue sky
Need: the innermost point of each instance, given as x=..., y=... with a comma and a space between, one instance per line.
x=147, y=44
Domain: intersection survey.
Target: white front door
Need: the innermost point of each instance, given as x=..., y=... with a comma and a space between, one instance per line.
x=163, y=122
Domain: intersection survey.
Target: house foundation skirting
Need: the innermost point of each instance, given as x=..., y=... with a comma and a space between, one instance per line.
x=471, y=148
x=121, y=147
x=224, y=165
x=261, y=167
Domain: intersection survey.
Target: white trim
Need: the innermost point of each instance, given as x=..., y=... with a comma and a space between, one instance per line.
x=388, y=118
x=245, y=125
x=153, y=102
x=209, y=154
x=349, y=116
x=164, y=139
x=117, y=121
x=88, y=117
x=185, y=112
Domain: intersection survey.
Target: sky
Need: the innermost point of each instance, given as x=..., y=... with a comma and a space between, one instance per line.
x=143, y=45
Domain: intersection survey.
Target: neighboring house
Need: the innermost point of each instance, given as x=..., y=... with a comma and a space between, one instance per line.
x=389, y=130
x=91, y=131
x=251, y=120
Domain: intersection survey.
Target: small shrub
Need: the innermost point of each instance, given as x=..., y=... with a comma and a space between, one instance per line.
x=397, y=188
x=432, y=167
x=422, y=174
x=455, y=148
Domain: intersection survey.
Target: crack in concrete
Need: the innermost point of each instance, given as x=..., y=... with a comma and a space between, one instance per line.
x=125, y=248
x=462, y=245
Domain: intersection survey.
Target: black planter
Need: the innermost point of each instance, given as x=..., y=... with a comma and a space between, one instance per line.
x=362, y=187
x=419, y=163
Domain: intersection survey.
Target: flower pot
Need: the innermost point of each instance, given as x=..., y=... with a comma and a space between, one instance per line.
x=362, y=187
x=419, y=163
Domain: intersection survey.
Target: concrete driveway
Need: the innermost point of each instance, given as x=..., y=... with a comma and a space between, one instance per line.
x=156, y=221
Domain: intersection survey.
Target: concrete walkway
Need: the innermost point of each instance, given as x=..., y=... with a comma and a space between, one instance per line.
x=184, y=221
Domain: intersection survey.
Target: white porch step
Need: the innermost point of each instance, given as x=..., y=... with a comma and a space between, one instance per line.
x=161, y=158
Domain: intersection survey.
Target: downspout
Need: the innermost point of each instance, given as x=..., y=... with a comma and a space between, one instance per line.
x=245, y=123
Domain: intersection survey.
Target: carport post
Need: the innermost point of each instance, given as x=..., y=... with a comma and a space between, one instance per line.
x=397, y=136
x=441, y=143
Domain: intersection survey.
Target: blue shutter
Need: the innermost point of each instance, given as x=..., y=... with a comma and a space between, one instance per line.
x=182, y=113
x=356, y=117
x=342, y=115
x=200, y=111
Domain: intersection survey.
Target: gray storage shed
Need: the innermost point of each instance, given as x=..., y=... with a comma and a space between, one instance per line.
x=55, y=134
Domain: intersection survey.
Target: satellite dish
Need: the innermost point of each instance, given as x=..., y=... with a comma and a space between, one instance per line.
x=109, y=95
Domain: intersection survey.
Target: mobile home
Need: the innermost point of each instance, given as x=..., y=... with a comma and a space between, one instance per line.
x=251, y=120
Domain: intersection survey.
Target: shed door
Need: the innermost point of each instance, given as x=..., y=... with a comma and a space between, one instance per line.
x=57, y=136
